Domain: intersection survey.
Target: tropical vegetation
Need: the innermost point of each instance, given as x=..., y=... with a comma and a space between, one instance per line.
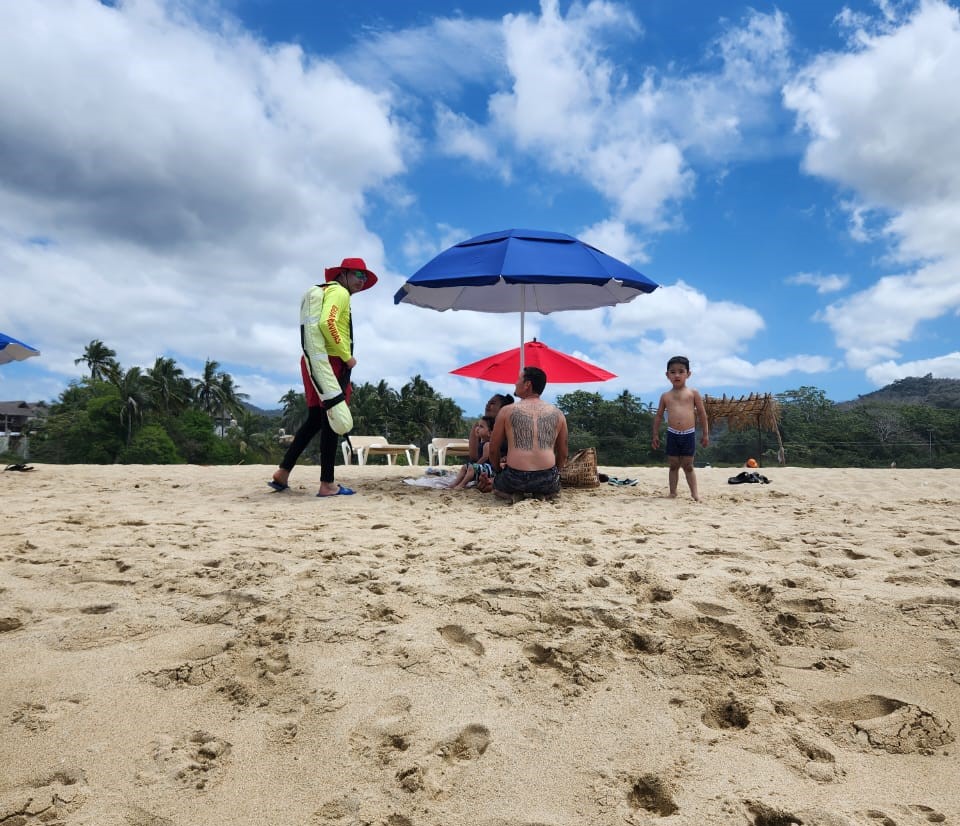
x=158, y=415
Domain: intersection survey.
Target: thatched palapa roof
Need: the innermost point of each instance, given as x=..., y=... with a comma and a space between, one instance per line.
x=758, y=410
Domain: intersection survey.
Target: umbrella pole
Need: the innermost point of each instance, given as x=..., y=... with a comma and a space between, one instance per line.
x=523, y=307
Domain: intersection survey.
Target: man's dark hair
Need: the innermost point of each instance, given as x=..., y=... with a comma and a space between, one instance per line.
x=683, y=361
x=536, y=377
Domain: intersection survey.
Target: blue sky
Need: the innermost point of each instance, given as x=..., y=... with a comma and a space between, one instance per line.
x=173, y=176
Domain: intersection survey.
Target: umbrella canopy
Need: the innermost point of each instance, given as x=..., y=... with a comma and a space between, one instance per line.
x=503, y=368
x=516, y=270
x=13, y=350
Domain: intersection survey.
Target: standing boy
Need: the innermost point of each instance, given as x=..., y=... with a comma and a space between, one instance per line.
x=683, y=406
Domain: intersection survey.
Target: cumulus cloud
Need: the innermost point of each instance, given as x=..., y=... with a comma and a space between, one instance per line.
x=946, y=366
x=882, y=121
x=871, y=324
x=187, y=183
x=635, y=340
x=614, y=238
x=822, y=283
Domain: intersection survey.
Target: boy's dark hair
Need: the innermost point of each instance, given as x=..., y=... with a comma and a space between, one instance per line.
x=536, y=377
x=489, y=420
x=683, y=361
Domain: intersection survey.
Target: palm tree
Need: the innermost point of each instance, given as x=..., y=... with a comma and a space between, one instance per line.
x=233, y=399
x=216, y=394
x=168, y=387
x=206, y=389
x=418, y=408
x=133, y=399
x=294, y=410
x=448, y=418
x=99, y=359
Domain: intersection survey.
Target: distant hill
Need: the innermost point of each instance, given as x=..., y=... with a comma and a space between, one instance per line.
x=259, y=411
x=942, y=393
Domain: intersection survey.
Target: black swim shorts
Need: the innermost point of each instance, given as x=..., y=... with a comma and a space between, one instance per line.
x=681, y=444
x=544, y=482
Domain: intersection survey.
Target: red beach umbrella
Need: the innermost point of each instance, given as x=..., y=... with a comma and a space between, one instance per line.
x=503, y=368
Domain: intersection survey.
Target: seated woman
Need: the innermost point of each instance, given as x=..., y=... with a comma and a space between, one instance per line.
x=471, y=471
x=497, y=400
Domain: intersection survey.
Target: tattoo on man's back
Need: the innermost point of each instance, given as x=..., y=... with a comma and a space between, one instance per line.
x=544, y=425
x=547, y=430
x=522, y=430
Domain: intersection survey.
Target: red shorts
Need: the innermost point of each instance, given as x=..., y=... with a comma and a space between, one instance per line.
x=310, y=389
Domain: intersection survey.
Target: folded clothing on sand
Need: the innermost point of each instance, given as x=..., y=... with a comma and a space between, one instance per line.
x=748, y=477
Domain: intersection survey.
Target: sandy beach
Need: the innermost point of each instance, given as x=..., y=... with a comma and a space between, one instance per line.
x=181, y=645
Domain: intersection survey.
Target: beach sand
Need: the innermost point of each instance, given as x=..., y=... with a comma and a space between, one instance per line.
x=181, y=645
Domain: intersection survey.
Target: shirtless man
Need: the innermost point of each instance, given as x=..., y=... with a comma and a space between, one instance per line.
x=536, y=435
x=684, y=407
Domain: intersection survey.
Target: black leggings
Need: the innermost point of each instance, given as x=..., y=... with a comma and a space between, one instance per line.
x=316, y=422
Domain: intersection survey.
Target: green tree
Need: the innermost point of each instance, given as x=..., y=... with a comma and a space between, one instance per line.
x=294, y=414
x=133, y=400
x=82, y=427
x=151, y=446
x=168, y=388
x=216, y=394
x=192, y=433
x=99, y=359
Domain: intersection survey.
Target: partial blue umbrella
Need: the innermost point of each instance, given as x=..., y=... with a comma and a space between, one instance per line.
x=517, y=270
x=13, y=350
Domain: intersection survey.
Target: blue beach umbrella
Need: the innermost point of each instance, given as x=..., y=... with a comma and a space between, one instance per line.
x=517, y=270
x=13, y=350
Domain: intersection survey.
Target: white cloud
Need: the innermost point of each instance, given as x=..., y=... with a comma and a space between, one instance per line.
x=822, y=283
x=872, y=323
x=460, y=137
x=189, y=183
x=614, y=238
x=882, y=121
x=635, y=340
x=946, y=366
x=439, y=58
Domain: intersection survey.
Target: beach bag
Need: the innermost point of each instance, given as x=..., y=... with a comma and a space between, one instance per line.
x=580, y=471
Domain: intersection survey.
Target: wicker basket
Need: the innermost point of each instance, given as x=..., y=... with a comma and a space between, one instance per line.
x=580, y=470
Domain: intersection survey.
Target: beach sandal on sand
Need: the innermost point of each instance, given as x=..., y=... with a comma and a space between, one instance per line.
x=21, y=468
x=341, y=491
x=279, y=487
x=613, y=480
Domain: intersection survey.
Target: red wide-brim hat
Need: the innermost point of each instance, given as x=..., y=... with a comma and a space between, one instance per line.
x=352, y=264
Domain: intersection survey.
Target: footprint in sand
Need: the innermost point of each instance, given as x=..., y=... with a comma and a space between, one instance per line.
x=469, y=744
x=456, y=635
x=135, y=816
x=652, y=794
x=99, y=608
x=10, y=624
x=388, y=735
x=764, y=815
x=891, y=725
x=37, y=717
x=194, y=761
x=727, y=713
x=819, y=763
x=50, y=800
x=907, y=815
